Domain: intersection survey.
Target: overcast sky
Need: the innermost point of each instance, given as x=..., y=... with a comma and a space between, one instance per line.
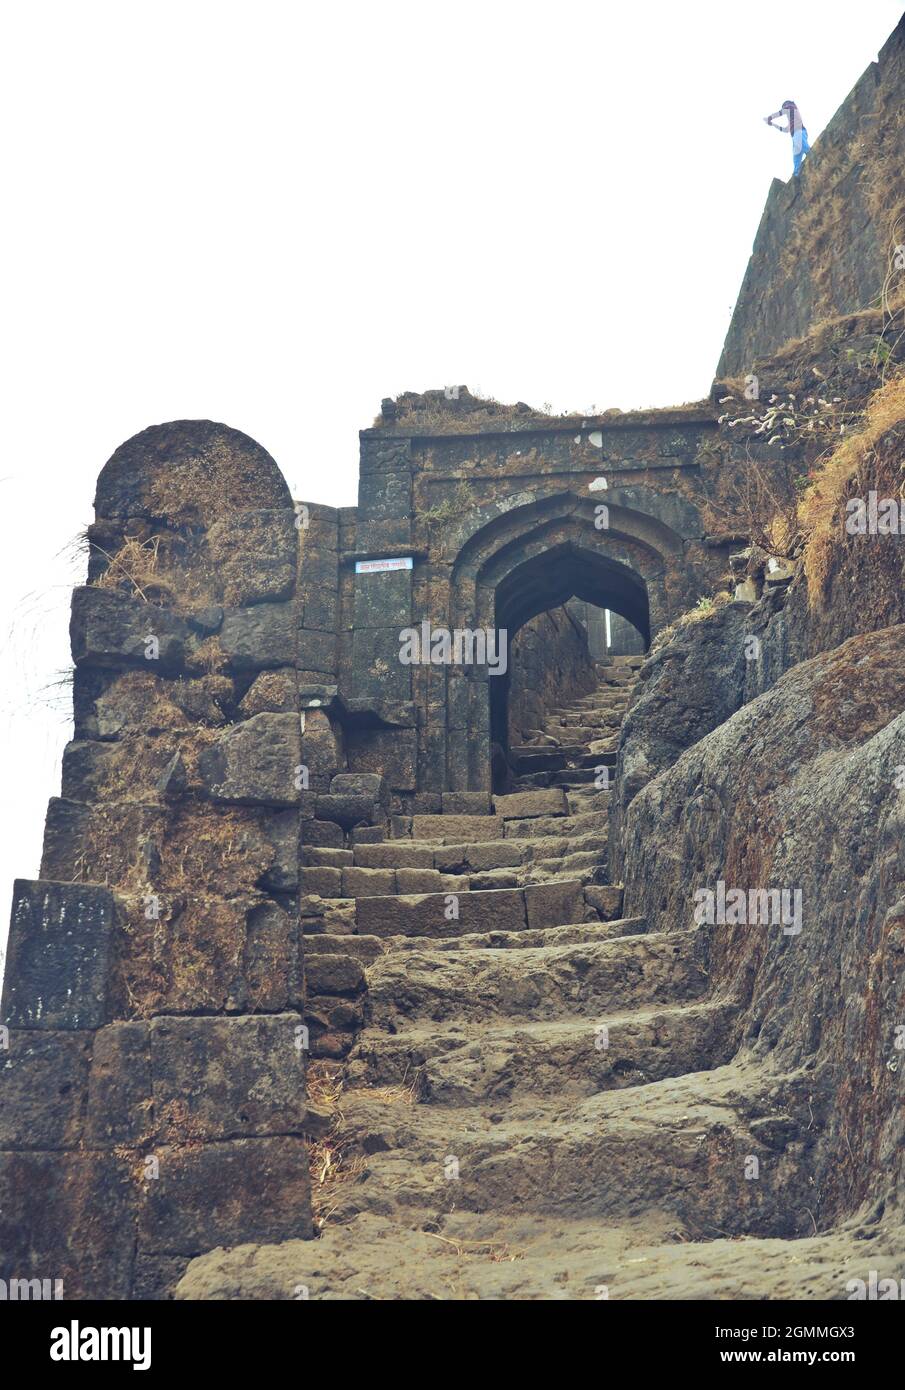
x=274, y=214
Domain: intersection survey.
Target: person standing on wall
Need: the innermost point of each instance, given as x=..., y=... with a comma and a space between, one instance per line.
x=795, y=128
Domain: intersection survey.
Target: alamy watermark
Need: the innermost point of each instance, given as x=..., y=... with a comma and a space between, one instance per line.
x=875, y=515
x=873, y=1287
x=30, y=1290
x=752, y=907
x=459, y=646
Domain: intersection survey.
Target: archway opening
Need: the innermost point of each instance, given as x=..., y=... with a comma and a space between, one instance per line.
x=568, y=606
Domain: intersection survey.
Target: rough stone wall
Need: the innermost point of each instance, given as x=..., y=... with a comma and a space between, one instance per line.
x=155, y=990
x=825, y=244
x=593, y=620
x=497, y=508
x=625, y=640
x=549, y=666
x=241, y=720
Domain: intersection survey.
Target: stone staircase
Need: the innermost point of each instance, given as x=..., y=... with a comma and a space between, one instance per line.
x=541, y=1097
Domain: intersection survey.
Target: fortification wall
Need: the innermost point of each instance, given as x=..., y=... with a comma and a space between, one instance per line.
x=243, y=720
x=826, y=241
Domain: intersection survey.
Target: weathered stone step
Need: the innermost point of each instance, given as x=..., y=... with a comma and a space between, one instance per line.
x=548, y=846
x=604, y=758
x=535, y=983
x=568, y=778
x=355, y=883
x=604, y=699
x=367, y=949
x=528, y=805
x=527, y=759
x=481, y=857
x=395, y=854
x=457, y=830
x=594, y=822
x=454, y=912
x=681, y=1144
x=526, y=1259
x=579, y=863
x=466, y=1064
x=589, y=718
x=585, y=734
x=576, y=762
x=587, y=799
x=572, y=933
x=571, y=777
x=360, y=882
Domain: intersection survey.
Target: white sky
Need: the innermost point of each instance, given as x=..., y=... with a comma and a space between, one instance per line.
x=274, y=214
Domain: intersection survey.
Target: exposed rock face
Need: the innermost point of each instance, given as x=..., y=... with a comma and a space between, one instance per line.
x=688, y=687
x=798, y=790
x=863, y=588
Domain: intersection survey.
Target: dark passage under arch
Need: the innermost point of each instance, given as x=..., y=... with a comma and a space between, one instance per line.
x=546, y=581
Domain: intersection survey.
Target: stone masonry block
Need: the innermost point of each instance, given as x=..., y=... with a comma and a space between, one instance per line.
x=60, y=946
x=110, y=629
x=459, y=830
x=554, y=904
x=360, y=883
x=119, y=1094
x=427, y=914
x=68, y=1216
x=254, y=554
x=605, y=900
x=226, y=1194
x=466, y=803
x=226, y=1078
x=43, y=1079
x=255, y=763
x=333, y=973
x=524, y=805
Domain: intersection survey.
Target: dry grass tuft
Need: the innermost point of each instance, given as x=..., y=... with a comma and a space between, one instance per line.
x=332, y=1166
x=498, y=1252
x=703, y=609
x=331, y=1158
x=208, y=658
x=821, y=507
x=324, y=1085
x=331, y=1163
x=135, y=564
x=431, y=411
x=399, y=1095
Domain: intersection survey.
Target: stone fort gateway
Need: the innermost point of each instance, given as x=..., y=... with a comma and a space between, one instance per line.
x=355, y=933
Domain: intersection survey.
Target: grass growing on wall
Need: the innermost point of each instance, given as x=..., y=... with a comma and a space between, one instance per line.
x=821, y=511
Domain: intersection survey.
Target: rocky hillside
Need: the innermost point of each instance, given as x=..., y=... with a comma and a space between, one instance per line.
x=766, y=749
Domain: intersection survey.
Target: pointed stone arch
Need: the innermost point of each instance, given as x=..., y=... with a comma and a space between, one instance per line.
x=522, y=556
